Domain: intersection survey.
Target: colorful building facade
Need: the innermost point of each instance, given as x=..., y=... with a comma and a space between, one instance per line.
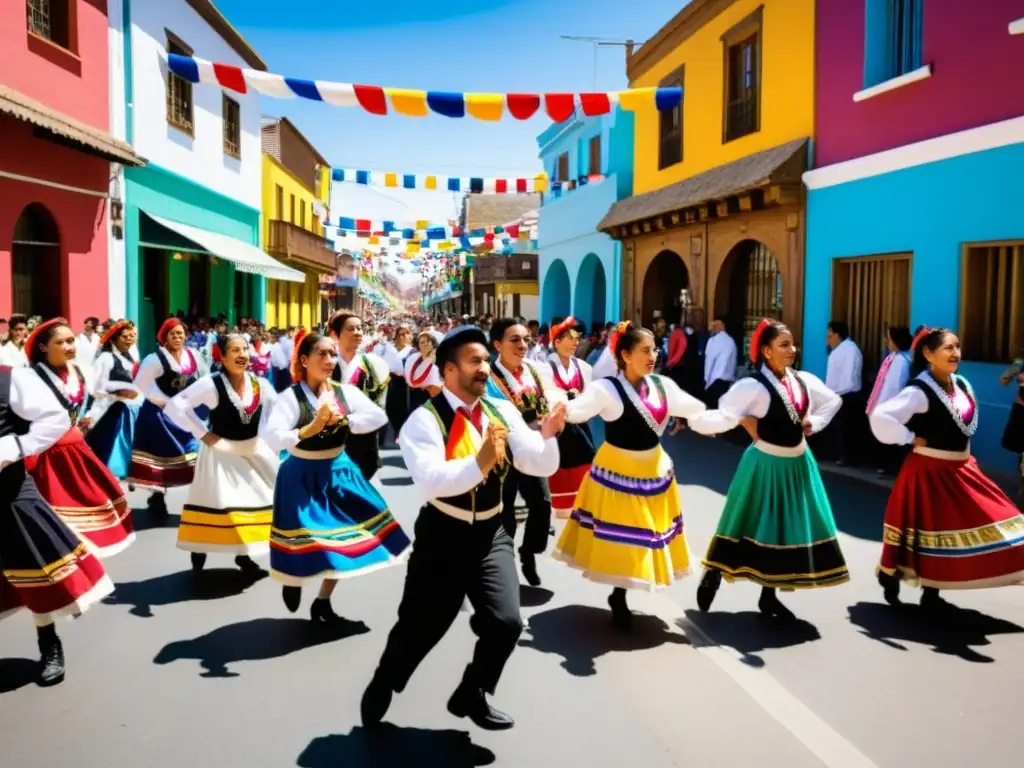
x=192, y=216
x=715, y=225
x=590, y=162
x=55, y=159
x=912, y=206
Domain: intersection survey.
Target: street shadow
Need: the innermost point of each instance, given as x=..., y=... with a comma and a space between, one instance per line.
x=581, y=634
x=400, y=480
x=254, y=640
x=17, y=673
x=750, y=633
x=858, y=507
x=180, y=587
x=395, y=461
x=144, y=520
x=388, y=746
x=955, y=634
x=533, y=597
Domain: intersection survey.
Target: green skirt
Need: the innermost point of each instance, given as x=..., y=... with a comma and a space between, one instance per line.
x=777, y=528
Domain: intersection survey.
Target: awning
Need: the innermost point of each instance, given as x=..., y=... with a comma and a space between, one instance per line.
x=60, y=126
x=245, y=257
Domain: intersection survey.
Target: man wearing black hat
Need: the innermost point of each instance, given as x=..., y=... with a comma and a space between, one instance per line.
x=455, y=449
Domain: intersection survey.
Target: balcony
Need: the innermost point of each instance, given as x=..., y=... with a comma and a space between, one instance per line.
x=501, y=269
x=300, y=247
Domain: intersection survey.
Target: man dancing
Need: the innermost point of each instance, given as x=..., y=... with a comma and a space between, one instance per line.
x=455, y=449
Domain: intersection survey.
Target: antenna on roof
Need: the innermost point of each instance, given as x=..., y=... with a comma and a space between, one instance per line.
x=598, y=42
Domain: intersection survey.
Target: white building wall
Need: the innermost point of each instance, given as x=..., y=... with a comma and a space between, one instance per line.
x=116, y=247
x=200, y=159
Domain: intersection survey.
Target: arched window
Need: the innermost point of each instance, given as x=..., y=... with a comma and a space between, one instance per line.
x=35, y=264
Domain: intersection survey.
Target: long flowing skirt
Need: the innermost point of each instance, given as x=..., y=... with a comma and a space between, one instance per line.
x=84, y=493
x=576, y=452
x=231, y=499
x=626, y=528
x=164, y=454
x=46, y=567
x=777, y=528
x=111, y=437
x=948, y=526
x=330, y=522
x=396, y=403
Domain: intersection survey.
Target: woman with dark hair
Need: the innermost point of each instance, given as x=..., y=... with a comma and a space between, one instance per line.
x=329, y=522
x=947, y=525
x=777, y=528
x=230, y=500
x=893, y=374
x=115, y=399
x=575, y=444
x=421, y=372
x=164, y=454
x=75, y=482
x=396, y=402
x=626, y=527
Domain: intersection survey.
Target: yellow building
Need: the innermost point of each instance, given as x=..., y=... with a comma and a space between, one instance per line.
x=296, y=191
x=715, y=225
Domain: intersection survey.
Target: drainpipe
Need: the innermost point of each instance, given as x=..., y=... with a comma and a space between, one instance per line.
x=126, y=57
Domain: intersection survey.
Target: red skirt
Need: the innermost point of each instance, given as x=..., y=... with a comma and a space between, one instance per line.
x=84, y=493
x=948, y=526
x=564, y=484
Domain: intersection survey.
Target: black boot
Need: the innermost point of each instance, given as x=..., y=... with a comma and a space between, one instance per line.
x=708, y=588
x=198, y=561
x=890, y=588
x=292, y=597
x=376, y=700
x=250, y=567
x=933, y=603
x=769, y=605
x=51, y=657
x=157, y=504
x=321, y=612
x=469, y=700
x=528, y=565
x=622, y=617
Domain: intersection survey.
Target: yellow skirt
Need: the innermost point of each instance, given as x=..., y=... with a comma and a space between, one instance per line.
x=626, y=527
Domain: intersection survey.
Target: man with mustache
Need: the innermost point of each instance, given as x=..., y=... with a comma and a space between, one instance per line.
x=459, y=448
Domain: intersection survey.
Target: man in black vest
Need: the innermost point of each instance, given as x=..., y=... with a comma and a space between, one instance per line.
x=455, y=449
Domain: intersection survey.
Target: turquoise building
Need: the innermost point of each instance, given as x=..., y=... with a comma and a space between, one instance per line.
x=590, y=163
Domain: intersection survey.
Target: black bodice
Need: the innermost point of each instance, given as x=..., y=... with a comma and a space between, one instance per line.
x=74, y=409
x=330, y=437
x=630, y=431
x=531, y=405
x=119, y=373
x=777, y=426
x=170, y=382
x=226, y=421
x=937, y=425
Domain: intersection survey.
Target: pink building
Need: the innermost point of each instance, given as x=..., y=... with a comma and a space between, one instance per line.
x=55, y=158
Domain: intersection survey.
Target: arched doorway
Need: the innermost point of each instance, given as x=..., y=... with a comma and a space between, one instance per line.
x=590, y=305
x=35, y=264
x=664, y=281
x=556, y=293
x=749, y=288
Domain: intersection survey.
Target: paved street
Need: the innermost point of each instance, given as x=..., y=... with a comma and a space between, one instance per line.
x=175, y=673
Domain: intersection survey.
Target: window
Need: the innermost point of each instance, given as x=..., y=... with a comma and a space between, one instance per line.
x=232, y=118
x=992, y=301
x=594, y=155
x=50, y=19
x=291, y=217
x=871, y=294
x=562, y=167
x=892, y=39
x=302, y=214
x=279, y=201
x=179, y=91
x=742, y=50
x=670, y=126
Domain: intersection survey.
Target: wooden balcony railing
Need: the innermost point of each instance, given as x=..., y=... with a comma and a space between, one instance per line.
x=293, y=243
x=499, y=269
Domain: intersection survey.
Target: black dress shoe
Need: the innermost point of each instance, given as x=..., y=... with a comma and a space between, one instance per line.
x=292, y=597
x=708, y=588
x=528, y=564
x=249, y=567
x=770, y=606
x=470, y=702
x=375, y=702
x=51, y=658
x=198, y=560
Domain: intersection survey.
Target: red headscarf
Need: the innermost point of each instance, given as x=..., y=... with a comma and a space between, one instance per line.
x=32, y=351
x=755, y=339
x=297, y=372
x=169, y=324
x=566, y=325
x=115, y=329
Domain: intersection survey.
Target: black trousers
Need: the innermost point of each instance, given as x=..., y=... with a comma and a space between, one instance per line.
x=365, y=453
x=851, y=428
x=537, y=495
x=453, y=560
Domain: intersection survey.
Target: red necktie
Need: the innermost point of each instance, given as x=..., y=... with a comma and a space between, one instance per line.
x=475, y=416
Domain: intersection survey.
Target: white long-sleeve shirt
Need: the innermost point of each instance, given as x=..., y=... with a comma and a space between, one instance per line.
x=35, y=403
x=888, y=420
x=152, y=369
x=896, y=377
x=602, y=399
x=181, y=408
x=396, y=358
x=13, y=355
x=720, y=359
x=605, y=365
x=843, y=371
x=423, y=448
x=281, y=430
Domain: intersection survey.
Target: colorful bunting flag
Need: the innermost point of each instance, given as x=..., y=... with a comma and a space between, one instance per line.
x=519, y=186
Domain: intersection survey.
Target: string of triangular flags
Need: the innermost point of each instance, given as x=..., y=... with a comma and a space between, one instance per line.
x=421, y=229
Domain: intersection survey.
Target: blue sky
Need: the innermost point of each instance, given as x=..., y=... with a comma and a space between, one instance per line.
x=455, y=45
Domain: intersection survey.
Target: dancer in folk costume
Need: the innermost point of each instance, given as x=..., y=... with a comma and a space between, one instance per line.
x=396, y=403
x=947, y=525
x=626, y=527
x=455, y=448
x=366, y=372
x=777, y=528
x=164, y=454
x=421, y=372
x=329, y=522
x=116, y=399
x=230, y=501
x=893, y=375
x=72, y=479
x=44, y=566
x=575, y=445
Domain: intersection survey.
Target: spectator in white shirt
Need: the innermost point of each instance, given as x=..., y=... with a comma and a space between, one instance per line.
x=843, y=376
x=87, y=344
x=893, y=375
x=12, y=353
x=720, y=355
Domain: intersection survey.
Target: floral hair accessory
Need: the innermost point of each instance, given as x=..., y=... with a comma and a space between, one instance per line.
x=613, y=341
x=297, y=376
x=755, y=339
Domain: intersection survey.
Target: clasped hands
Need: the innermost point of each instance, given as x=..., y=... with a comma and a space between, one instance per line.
x=327, y=415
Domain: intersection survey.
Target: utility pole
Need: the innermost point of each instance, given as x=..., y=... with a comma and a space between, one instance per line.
x=598, y=42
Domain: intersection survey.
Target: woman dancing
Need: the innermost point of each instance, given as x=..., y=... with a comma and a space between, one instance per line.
x=777, y=528
x=947, y=525
x=396, y=403
x=230, y=501
x=626, y=527
x=72, y=479
x=164, y=454
x=116, y=400
x=421, y=374
x=329, y=522
x=575, y=444
x=893, y=374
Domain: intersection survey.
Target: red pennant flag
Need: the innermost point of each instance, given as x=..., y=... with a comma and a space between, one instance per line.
x=512, y=230
x=595, y=103
x=230, y=77
x=371, y=98
x=500, y=186
x=364, y=224
x=559, y=106
x=521, y=186
x=489, y=238
x=522, y=106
